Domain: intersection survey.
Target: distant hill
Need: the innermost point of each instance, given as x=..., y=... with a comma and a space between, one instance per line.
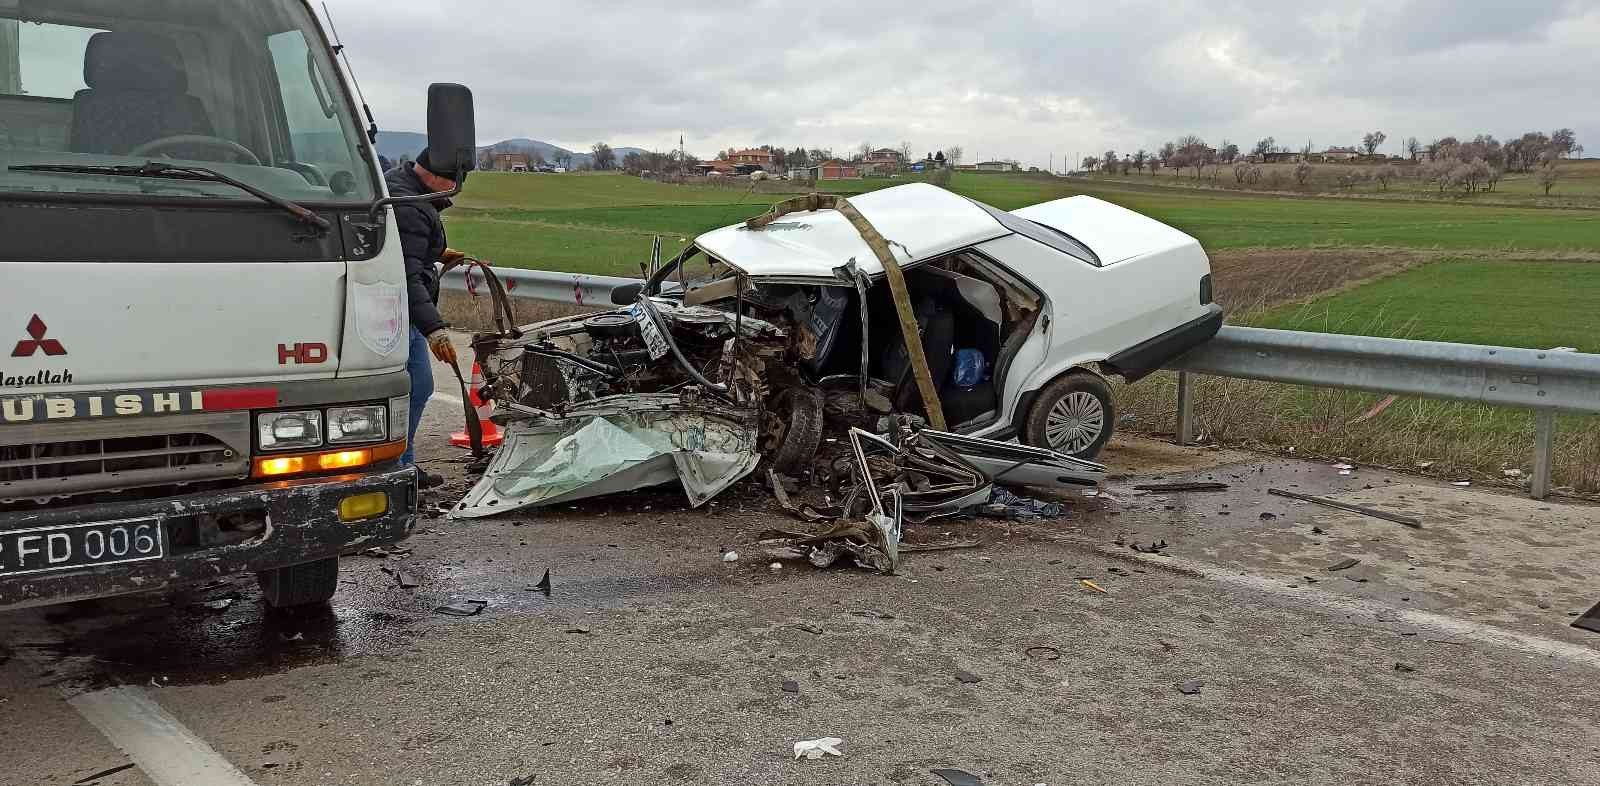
x=394, y=144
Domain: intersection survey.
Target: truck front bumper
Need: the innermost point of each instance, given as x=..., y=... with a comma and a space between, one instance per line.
x=218, y=533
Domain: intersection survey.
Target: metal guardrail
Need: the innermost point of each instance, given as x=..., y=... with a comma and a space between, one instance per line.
x=1546, y=381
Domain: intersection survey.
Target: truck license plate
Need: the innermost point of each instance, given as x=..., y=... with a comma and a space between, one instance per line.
x=653, y=340
x=79, y=545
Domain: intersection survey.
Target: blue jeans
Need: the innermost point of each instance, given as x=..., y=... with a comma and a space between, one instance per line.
x=420, y=368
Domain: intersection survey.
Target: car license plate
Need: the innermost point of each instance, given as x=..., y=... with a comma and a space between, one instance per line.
x=79, y=545
x=653, y=340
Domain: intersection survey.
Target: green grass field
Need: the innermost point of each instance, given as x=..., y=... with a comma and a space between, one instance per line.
x=1521, y=304
x=604, y=223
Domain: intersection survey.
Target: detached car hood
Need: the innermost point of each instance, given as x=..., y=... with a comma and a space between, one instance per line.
x=1114, y=233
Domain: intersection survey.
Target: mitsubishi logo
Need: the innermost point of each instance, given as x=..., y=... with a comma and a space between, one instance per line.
x=26, y=348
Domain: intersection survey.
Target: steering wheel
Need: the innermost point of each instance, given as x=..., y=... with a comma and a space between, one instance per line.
x=200, y=140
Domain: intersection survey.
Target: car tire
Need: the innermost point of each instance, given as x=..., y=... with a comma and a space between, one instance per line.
x=1076, y=409
x=799, y=432
x=307, y=584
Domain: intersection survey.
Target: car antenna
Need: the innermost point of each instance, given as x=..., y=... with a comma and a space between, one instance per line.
x=338, y=49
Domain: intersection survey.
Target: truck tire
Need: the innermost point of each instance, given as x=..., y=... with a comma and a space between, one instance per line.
x=797, y=414
x=307, y=584
x=1073, y=415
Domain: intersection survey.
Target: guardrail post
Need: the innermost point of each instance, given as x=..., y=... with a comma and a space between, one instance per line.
x=1544, y=443
x=1185, y=409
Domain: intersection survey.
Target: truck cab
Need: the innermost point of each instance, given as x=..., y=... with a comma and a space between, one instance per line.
x=203, y=318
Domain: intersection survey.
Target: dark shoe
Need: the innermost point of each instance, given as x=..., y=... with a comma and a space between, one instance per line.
x=427, y=480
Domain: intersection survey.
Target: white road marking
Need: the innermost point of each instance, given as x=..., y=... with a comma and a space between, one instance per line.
x=1453, y=627
x=165, y=750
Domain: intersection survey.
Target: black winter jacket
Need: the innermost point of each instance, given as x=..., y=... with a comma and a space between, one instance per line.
x=422, y=241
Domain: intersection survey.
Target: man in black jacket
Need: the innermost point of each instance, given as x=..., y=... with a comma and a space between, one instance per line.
x=422, y=241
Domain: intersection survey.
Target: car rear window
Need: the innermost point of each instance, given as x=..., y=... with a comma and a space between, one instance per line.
x=1047, y=235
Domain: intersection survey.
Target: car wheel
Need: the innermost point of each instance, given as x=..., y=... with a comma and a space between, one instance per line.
x=794, y=430
x=1072, y=415
x=300, y=585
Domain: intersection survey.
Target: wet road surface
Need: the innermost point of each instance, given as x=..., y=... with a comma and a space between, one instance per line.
x=1443, y=656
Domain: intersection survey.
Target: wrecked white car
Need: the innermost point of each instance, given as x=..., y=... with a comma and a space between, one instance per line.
x=769, y=340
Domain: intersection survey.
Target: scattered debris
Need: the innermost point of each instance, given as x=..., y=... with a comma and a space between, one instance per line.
x=1155, y=547
x=88, y=779
x=528, y=780
x=1207, y=618
x=401, y=578
x=967, y=678
x=1344, y=564
x=1513, y=473
x=732, y=556
x=1344, y=468
x=544, y=583
x=1318, y=531
x=775, y=567
x=790, y=686
x=468, y=608
x=811, y=629
x=958, y=777
x=1043, y=653
x=1269, y=517
x=578, y=631
x=1377, y=409
x=1404, y=668
x=1093, y=586
x=1182, y=487
x=816, y=749
x=376, y=551
x=1397, y=518
x=1005, y=504
x=1425, y=464
x=218, y=604
x=1462, y=483
x=1589, y=620
x=1190, y=688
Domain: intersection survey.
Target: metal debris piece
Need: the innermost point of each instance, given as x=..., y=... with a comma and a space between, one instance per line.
x=1043, y=653
x=401, y=578
x=218, y=604
x=1404, y=668
x=1182, y=487
x=811, y=629
x=1409, y=521
x=967, y=678
x=1589, y=620
x=468, y=608
x=816, y=749
x=1190, y=688
x=1344, y=564
x=731, y=556
x=958, y=777
x=376, y=551
x=1093, y=586
x=1155, y=547
x=1005, y=504
x=791, y=686
x=89, y=779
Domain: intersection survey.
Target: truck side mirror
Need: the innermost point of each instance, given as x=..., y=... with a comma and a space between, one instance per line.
x=452, y=129
x=626, y=294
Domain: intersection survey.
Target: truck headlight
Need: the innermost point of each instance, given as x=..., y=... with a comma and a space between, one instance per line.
x=357, y=424
x=289, y=430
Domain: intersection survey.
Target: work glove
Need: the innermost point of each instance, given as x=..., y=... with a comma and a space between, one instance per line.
x=451, y=257
x=439, y=344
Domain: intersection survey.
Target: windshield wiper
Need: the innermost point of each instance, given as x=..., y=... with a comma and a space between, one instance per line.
x=170, y=172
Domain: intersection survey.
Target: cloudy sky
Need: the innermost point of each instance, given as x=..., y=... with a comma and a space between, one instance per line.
x=1021, y=80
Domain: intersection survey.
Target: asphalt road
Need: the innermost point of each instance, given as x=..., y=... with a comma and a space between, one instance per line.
x=1443, y=656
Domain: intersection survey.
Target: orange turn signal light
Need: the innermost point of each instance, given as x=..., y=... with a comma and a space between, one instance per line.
x=326, y=461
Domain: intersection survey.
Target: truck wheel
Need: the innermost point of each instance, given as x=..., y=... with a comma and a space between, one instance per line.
x=795, y=430
x=1072, y=415
x=300, y=585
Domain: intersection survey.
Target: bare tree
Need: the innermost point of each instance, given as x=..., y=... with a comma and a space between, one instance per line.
x=602, y=156
x=1412, y=147
x=953, y=154
x=1139, y=158
x=1302, y=172
x=1089, y=164
x=1306, y=151
x=1548, y=175
x=1241, y=171
x=1108, y=162
x=1384, y=174
x=1227, y=151
x=863, y=150
x=1372, y=140
x=905, y=152
x=1195, y=152
x=1168, y=151
x=1565, y=143
x=1264, y=146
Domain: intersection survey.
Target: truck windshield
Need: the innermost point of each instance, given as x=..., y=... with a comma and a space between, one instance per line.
x=246, y=88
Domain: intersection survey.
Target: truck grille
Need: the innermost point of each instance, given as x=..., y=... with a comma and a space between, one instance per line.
x=44, y=461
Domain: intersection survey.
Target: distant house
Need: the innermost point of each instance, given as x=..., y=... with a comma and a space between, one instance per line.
x=763, y=159
x=995, y=166
x=1280, y=157
x=512, y=162
x=1341, y=154
x=834, y=169
x=720, y=166
x=882, y=160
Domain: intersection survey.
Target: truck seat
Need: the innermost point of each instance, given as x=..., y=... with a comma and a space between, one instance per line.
x=137, y=93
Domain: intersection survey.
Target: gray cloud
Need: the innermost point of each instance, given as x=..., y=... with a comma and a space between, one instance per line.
x=1020, y=79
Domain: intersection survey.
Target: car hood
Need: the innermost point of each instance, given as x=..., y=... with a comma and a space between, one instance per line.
x=919, y=221
x=1114, y=233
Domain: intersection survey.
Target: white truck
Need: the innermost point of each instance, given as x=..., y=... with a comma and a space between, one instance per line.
x=203, y=321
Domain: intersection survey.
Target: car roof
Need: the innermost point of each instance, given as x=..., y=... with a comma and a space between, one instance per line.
x=919, y=220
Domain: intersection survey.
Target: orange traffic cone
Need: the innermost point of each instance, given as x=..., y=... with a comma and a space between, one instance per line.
x=491, y=433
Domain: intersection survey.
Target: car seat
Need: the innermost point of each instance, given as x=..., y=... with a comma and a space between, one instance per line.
x=137, y=92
